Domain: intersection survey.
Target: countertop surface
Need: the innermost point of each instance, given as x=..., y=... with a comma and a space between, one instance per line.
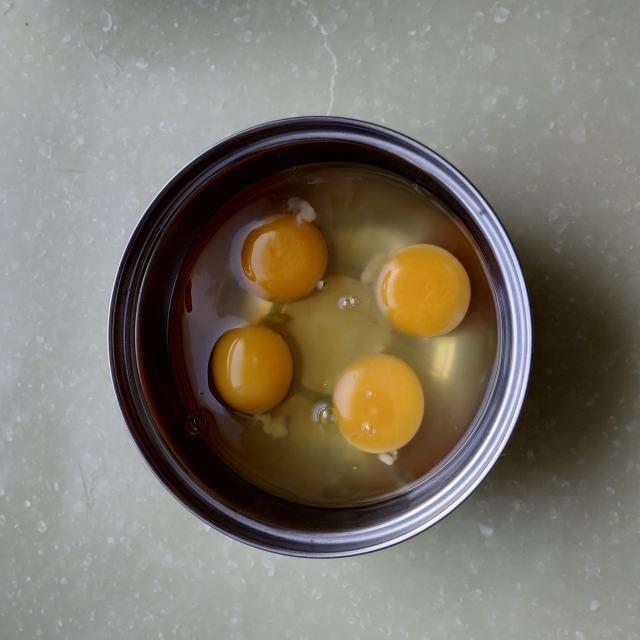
x=101, y=103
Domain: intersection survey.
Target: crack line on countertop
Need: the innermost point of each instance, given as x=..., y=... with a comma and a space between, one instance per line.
x=315, y=22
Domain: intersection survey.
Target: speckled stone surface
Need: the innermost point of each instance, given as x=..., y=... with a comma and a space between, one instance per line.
x=101, y=103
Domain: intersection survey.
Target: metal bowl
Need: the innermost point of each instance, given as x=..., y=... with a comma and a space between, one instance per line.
x=147, y=390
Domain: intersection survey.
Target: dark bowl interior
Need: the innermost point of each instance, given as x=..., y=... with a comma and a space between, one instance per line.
x=146, y=384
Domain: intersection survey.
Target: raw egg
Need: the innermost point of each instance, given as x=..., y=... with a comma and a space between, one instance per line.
x=252, y=368
x=332, y=327
x=423, y=290
x=378, y=402
x=329, y=376
x=283, y=259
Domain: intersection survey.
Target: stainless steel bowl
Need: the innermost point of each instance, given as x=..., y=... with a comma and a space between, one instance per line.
x=147, y=390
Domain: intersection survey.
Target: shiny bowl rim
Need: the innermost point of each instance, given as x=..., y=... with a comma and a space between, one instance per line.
x=391, y=532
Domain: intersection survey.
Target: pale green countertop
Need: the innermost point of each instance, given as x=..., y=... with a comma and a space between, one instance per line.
x=101, y=103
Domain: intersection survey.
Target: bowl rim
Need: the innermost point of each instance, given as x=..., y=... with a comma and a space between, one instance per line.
x=121, y=335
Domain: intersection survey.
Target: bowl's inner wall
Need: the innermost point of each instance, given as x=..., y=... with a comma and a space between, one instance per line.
x=192, y=471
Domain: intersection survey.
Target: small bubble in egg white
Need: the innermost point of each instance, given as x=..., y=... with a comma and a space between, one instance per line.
x=323, y=413
x=348, y=302
x=321, y=284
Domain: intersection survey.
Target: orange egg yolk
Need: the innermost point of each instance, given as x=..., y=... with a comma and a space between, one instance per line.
x=379, y=403
x=284, y=258
x=423, y=290
x=252, y=368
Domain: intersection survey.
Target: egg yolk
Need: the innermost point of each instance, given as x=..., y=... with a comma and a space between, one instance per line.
x=252, y=368
x=423, y=290
x=379, y=403
x=284, y=258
